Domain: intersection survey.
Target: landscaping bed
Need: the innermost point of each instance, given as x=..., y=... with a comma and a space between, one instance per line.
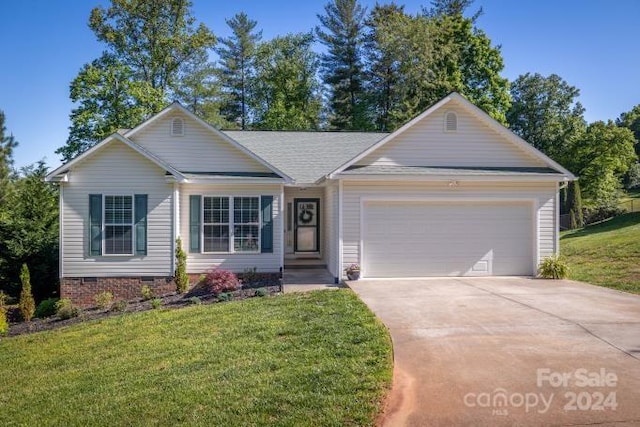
x=199, y=294
x=306, y=359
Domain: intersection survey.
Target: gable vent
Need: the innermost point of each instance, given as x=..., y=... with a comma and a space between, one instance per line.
x=450, y=122
x=177, y=127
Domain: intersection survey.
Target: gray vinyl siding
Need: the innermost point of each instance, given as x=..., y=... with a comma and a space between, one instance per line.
x=236, y=262
x=116, y=170
x=354, y=191
x=331, y=227
x=198, y=150
x=473, y=144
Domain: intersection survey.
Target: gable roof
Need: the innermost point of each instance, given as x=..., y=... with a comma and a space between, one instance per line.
x=176, y=106
x=306, y=156
x=476, y=112
x=57, y=173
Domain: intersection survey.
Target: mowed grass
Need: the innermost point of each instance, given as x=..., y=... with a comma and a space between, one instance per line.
x=319, y=358
x=606, y=254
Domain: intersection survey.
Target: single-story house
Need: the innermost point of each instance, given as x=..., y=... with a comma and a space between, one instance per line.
x=450, y=193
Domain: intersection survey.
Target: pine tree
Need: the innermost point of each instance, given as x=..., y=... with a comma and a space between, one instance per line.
x=237, y=56
x=342, y=65
x=27, y=304
x=7, y=144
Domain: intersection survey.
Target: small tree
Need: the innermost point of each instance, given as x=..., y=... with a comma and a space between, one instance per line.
x=574, y=204
x=27, y=303
x=4, y=323
x=181, y=277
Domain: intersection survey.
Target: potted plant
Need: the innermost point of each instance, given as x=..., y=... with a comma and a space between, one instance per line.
x=353, y=272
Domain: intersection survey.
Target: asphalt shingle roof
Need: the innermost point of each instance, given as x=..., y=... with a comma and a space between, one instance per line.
x=306, y=156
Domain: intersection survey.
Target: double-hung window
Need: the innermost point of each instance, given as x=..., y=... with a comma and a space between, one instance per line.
x=246, y=224
x=118, y=225
x=216, y=224
x=230, y=224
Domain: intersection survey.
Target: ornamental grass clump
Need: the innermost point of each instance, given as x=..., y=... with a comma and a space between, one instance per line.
x=553, y=267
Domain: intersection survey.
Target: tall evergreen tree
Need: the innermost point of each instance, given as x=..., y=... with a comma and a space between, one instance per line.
x=7, y=144
x=342, y=66
x=382, y=67
x=237, y=56
x=198, y=89
x=147, y=43
x=287, y=93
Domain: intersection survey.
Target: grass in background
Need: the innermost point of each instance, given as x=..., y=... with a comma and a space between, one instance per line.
x=606, y=254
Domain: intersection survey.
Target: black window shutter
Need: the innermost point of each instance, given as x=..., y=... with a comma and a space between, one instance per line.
x=194, y=223
x=95, y=224
x=141, y=223
x=266, y=238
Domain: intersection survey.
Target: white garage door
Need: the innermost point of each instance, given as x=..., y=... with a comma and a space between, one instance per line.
x=415, y=239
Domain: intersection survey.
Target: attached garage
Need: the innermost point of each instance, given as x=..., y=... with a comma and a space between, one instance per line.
x=448, y=238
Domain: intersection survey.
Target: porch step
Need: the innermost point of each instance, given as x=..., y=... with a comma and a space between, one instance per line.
x=300, y=266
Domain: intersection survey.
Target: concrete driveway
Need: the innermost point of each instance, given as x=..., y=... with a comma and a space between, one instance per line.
x=509, y=351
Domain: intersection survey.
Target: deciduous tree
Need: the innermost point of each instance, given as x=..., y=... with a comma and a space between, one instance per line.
x=287, y=92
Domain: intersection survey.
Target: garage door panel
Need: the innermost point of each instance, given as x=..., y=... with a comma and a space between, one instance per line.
x=447, y=239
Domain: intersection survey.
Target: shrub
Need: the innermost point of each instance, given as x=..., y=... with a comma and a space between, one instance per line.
x=119, y=306
x=195, y=301
x=261, y=292
x=46, y=308
x=4, y=323
x=27, y=304
x=65, y=309
x=146, y=292
x=553, y=267
x=218, y=281
x=156, y=303
x=250, y=275
x=103, y=300
x=181, y=277
x=225, y=296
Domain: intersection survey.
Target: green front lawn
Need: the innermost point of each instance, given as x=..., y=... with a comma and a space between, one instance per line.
x=318, y=358
x=606, y=254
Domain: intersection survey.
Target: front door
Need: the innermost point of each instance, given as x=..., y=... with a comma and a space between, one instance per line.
x=307, y=225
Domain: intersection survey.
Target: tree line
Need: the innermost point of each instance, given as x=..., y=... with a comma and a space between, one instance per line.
x=377, y=69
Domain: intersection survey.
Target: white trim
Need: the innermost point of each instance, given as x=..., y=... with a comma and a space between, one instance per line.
x=391, y=136
x=281, y=207
x=556, y=222
x=132, y=225
x=340, y=230
x=484, y=117
x=454, y=199
x=61, y=231
x=175, y=229
x=234, y=180
x=231, y=225
x=445, y=121
x=176, y=106
x=116, y=137
x=469, y=177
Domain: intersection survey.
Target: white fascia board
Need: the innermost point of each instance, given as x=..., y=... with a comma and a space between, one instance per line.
x=391, y=136
x=54, y=175
x=232, y=180
x=176, y=106
x=422, y=178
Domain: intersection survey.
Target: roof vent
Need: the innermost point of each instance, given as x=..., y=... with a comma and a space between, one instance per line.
x=177, y=127
x=450, y=122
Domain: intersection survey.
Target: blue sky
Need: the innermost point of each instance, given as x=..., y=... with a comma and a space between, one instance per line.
x=590, y=43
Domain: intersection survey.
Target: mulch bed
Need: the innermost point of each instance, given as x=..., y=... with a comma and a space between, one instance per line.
x=169, y=301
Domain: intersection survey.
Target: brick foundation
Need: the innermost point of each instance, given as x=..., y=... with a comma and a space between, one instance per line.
x=81, y=290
